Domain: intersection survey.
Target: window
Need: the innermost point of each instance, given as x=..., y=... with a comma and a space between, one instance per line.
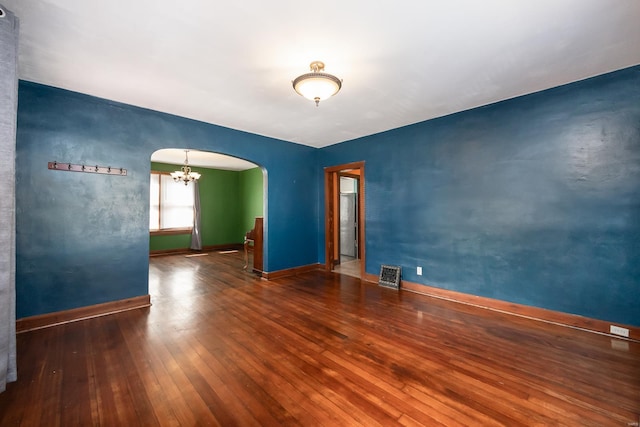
x=170, y=205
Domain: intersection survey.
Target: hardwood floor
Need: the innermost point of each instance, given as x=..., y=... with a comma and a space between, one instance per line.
x=222, y=347
x=349, y=267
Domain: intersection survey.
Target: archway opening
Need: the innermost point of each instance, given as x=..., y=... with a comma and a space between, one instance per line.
x=231, y=194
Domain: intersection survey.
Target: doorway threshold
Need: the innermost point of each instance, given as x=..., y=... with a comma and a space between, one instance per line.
x=349, y=268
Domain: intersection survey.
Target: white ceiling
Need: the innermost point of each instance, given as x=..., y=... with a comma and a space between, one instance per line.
x=176, y=156
x=231, y=63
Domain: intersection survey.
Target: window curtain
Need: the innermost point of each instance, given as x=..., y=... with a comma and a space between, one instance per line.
x=8, y=114
x=196, y=238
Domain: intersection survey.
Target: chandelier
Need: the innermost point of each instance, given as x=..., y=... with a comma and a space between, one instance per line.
x=184, y=174
x=317, y=85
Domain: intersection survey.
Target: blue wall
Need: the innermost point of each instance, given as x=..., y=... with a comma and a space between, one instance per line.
x=534, y=200
x=83, y=239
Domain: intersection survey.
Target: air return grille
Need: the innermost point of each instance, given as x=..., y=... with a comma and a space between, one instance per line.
x=389, y=276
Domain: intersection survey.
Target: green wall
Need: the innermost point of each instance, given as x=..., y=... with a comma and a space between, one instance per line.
x=251, y=197
x=227, y=199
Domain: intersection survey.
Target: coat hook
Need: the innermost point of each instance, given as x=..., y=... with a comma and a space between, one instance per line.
x=108, y=170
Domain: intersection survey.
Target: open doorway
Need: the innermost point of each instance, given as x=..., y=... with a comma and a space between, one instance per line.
x=231, y=198
x=344, y=219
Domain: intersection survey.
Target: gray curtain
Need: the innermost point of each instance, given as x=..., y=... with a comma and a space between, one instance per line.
x=196, y=238
x=8, y=113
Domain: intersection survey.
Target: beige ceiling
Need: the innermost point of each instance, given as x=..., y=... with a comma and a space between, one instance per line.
x=231, y=63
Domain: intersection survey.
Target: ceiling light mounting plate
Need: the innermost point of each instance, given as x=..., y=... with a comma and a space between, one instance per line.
x=316, y=66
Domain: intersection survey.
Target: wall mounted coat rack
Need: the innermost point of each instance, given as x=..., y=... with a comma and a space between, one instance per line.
x=68, y=167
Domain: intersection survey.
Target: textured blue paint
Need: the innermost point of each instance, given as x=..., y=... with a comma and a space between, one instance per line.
x=83, y=239
x=534, y=200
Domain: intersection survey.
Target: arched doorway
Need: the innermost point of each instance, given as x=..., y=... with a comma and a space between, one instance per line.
x=232, y=193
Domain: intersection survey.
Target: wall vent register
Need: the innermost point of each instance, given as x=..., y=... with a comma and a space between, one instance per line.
x=390, y=276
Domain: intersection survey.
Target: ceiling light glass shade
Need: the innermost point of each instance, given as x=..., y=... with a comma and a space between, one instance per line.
x=184, y=174
x=317, y=86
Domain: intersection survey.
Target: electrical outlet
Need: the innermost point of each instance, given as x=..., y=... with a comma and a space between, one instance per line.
x=419, y=271
x=617, y=330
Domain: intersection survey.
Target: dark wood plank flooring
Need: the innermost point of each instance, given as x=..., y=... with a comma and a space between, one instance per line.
x=222, y=347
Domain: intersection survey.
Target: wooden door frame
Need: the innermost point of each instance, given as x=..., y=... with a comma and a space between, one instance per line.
x=331, y=179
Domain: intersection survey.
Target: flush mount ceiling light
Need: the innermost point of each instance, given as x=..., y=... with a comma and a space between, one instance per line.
x=317, y=85
x=184, y=174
